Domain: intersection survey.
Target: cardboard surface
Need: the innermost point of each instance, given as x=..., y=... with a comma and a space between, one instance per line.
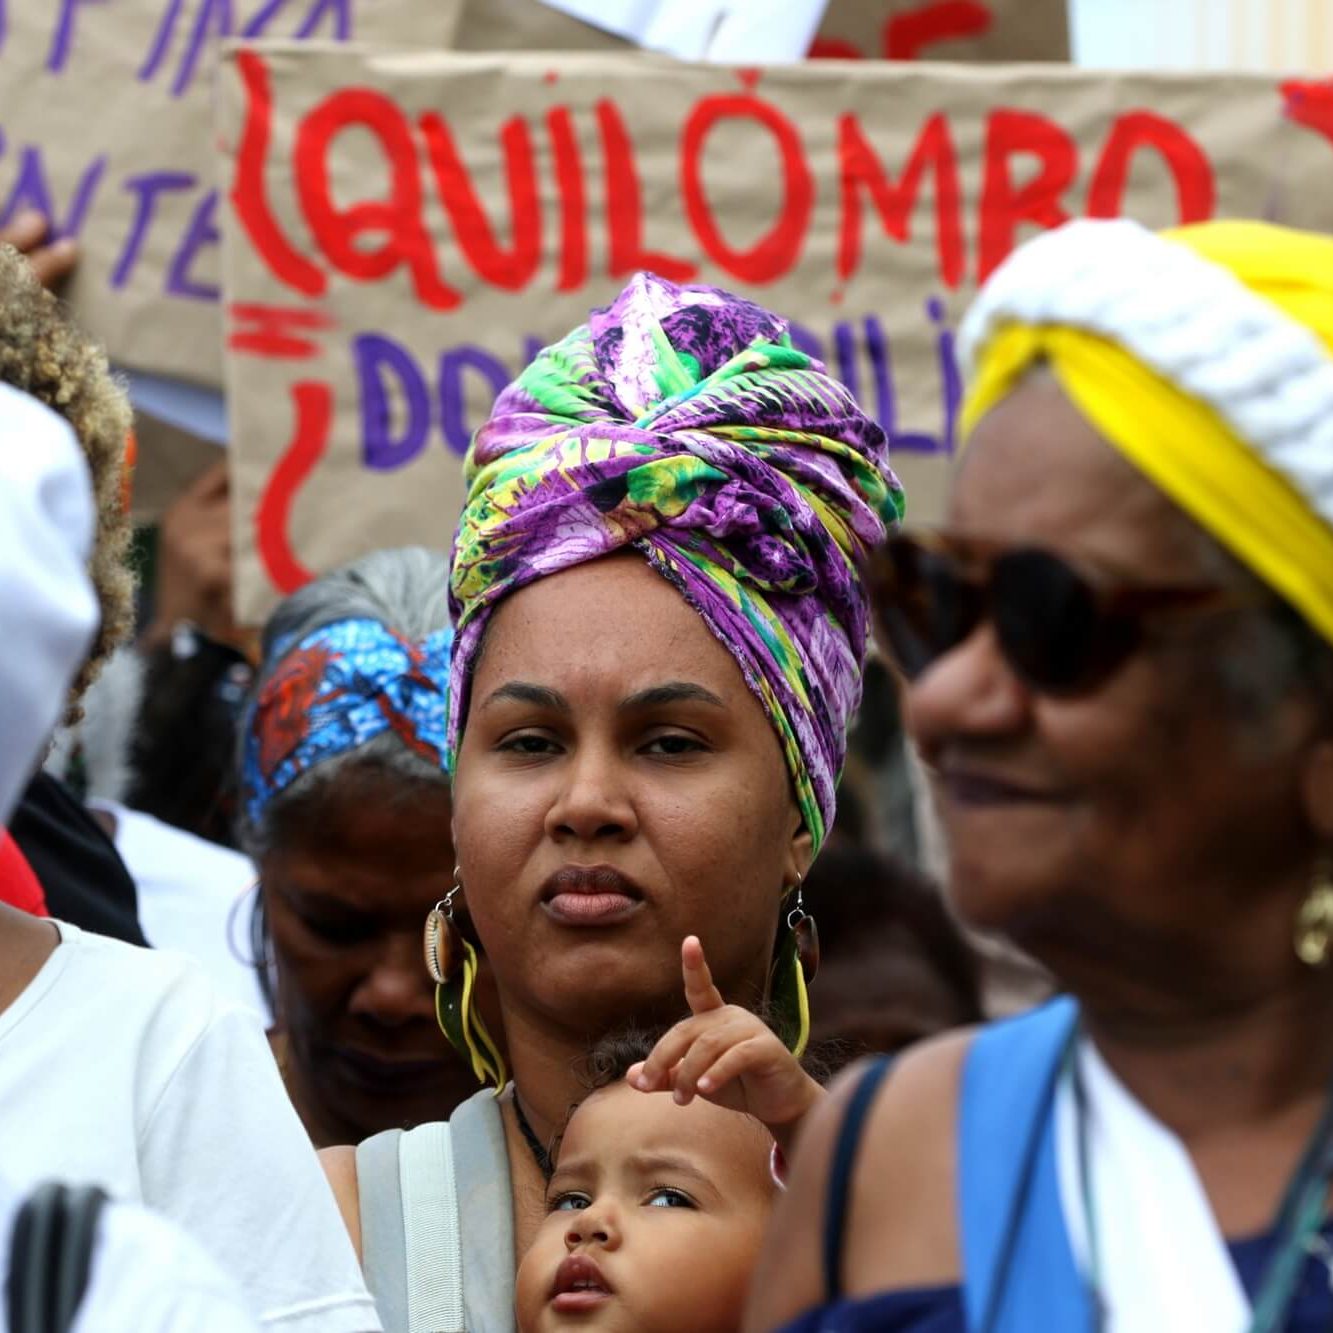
x=856, y=29
x=458, y=211
x=106, y=124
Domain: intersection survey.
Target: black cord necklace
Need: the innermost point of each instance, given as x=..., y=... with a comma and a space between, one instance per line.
x=539, y=1154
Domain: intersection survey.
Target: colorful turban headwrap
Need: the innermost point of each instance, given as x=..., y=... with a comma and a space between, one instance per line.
x=336, y=689
x=682, y=422
x=1205, y=356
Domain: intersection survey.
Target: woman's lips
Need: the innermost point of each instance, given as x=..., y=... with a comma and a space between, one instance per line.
x=974, y=788
x=579, y=1285
x=590, y=896
x=389, y=1076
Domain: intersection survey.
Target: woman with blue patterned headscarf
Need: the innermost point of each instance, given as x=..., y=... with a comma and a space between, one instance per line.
x=345, y=809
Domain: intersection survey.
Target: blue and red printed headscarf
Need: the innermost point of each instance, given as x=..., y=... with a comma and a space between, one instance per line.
x=337, y=689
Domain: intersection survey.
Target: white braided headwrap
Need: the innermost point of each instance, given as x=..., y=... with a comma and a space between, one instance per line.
x=1197, y=325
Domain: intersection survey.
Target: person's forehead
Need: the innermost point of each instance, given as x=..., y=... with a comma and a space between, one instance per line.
x=376, y=844
x=1036, y=471
x=618, y=1122
x=614, y=621
x=367, y=812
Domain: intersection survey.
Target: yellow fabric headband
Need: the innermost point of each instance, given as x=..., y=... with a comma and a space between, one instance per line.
x=1210, y=368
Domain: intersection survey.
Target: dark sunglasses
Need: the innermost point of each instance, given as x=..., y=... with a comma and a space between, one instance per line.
x=1061, y=631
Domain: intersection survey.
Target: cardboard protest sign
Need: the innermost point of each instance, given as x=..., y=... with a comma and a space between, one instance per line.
x=945, y=30
x=859, y=29
x=721, y=31
x=106, y=125
x=405, y=230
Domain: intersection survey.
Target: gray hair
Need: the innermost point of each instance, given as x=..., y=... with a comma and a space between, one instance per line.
x=406, y=591
x=1273, y=651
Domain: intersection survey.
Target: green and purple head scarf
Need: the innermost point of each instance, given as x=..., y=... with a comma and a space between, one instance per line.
x=681, y=422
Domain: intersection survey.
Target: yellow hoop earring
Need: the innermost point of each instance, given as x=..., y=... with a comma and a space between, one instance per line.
x=794, y=968
x=452, y=963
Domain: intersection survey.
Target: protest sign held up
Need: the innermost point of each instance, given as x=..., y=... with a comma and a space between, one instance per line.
x=106, y=127
x=851, y=29
x=944, y=30
x=405, y=230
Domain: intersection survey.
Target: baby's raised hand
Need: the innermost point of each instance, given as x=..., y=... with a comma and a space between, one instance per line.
x=728, y=1056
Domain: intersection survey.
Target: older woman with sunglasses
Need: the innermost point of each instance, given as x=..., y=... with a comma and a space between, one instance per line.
x=1119, y=673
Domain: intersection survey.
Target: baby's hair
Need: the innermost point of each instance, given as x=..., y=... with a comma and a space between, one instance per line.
x=611, y=1059
x=608, y=1062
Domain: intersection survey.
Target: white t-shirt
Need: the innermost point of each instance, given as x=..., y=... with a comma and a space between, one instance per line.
x=194, y=896
x=121, y=1067
x=146, y=1277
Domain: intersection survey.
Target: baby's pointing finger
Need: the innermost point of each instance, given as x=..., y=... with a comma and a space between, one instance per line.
x=700, y=993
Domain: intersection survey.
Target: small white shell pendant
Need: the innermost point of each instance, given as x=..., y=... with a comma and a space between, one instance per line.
x=437, y=945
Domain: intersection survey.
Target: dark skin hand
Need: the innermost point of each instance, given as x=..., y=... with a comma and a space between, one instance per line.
x=30, y=234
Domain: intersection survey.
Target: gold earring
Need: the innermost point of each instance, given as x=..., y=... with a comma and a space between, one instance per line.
x=452, y=963
x=1314, y=921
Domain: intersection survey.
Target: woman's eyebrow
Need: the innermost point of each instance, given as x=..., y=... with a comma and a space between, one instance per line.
x=672, y=692
x=524, y=692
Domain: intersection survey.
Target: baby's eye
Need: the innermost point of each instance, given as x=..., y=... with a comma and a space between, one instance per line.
x=568, y=1203
x=665, y=1197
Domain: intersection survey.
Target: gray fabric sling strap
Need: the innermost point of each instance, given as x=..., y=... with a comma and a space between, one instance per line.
x=427, y=1271
x=383, y=1249
x=481, y=1175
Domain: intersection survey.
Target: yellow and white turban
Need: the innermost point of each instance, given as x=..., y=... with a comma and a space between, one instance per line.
x=1203, y=354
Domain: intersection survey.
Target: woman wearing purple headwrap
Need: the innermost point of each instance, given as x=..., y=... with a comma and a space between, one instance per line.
x=660, y=631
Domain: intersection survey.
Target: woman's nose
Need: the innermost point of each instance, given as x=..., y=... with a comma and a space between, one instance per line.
x=593, y=802
x=970, y=691
x=396, y=989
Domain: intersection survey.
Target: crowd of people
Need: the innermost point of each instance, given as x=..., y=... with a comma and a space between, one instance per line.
x=481, y=988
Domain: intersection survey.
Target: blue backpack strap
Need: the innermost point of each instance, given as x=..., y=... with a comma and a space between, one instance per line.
x=841, y=1170
x=1019, y=1269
